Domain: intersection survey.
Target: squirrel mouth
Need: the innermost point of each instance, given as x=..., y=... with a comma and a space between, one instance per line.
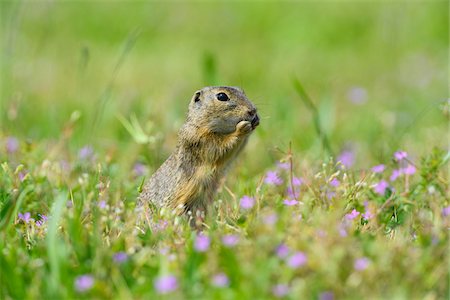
x=255, y=121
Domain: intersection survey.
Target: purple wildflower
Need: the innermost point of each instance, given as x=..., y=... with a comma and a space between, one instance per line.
x=84, y=283
x=22, y=175
x=201, y=243
x=409, y=170
x=139, y=169
x=64, y=165
x=446, y=211
x=330, y=195
x=342, y=229
x=335, y=182
x=290, y=202
x=297, y=260
x=12, y=144
x=321, y=233
x=86, y=153
x=280, y=290
x=102, y=204
x=326, y=296
x=380, y=187
x=165, y=284
x=247, y=202
x=220, y=280
x=347, y=158
x=367, y=215
x=357, y=95
x=120, y=257
x=282, y=250
x=395, y=174
x=273, y=178
x=230, y=240
x=361, y=264
x=292, y=193
x=283, y=165
x=400, y=155
x=297, y=181
x=378, y=168
x=160, y=226
x=270, y=219
x=352, y=215
x=43, y=219
x=26, y=217
x=164, y=250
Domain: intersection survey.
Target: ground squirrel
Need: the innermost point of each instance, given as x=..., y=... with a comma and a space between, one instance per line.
x=219, y=122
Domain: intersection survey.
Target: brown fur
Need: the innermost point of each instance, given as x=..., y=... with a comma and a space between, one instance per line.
x=214, y=134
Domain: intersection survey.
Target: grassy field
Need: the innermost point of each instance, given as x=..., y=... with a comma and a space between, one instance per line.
x=342, y=192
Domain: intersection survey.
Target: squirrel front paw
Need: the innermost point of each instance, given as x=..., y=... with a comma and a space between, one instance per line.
x=243, y=127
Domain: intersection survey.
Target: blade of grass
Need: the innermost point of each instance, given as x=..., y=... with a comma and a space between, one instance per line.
x=106, y=95
x=53, y=243
x=315, y=114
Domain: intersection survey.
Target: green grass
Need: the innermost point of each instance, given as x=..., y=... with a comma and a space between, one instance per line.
x=89, y=89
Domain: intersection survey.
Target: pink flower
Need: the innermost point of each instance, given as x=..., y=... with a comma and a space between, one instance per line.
x=335, y=182
x=395, y=175
x=380, y=187
x=22, y=175
x=84, y=283
x=292, y=193
x=273, y=178
x=26, y=217
x=378, y=168
x=284, y=165
x=361, y=264
x=42, y=221
x=290, y=202
x=399, y=155
x=352, y=215
x=357, y=95
x=270, y=219
x=326, y=296
x=342, y=229
x=297, y=260
x=297, y=181
x=12, y=144
x=247, y=202
x=367, y=215
x=201, y=243
x=446, y=211
x=280, y=290
x=139, y=169
x=165, y=284
x=220, y=280
x=86, y=153
x=282, y=251
x=409, y=170
x=230, y=240
x=120, y=257
x=347, y=158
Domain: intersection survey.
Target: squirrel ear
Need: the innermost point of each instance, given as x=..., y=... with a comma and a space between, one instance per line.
x=197, y=96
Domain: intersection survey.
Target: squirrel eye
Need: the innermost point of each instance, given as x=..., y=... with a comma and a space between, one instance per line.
x=222, y=97
x=197, y=97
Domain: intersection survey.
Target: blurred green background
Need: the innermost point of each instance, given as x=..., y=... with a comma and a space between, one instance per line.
x=378, y=72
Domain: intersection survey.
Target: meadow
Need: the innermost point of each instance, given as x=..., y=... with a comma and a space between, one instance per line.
x=341, y=193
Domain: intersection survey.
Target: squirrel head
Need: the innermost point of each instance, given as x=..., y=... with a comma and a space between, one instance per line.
x=221, y=108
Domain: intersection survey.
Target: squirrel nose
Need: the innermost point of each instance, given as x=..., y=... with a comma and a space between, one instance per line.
x=252, y=112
